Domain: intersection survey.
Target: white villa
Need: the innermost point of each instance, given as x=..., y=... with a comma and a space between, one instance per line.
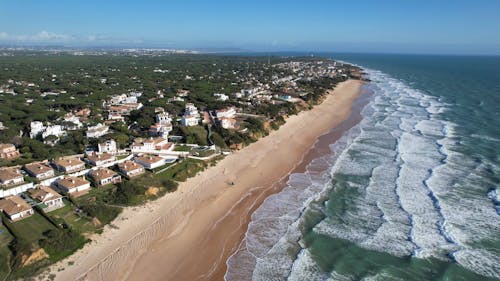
x=75, y=186
x=15, y=208
x=97, y=131
x=37, y=128
x=189, y=120
x=130, y=169
x=163, y=118
x=75, y=120
x=152, y=145
x=53, y=130
x=39, y=170
x=49, y=197
x=100, y=159
x=229, y=112
x=69, y=165
x=108, y=146
x=8, y=151
x=191, y=116
x=104, y=176
x=150, y=161
x=10, y=177
x=221, y=97
x=163, y=125
x=227, y=123
x=121, y=105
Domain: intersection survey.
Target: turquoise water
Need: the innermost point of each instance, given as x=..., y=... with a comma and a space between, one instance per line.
x=410, y=193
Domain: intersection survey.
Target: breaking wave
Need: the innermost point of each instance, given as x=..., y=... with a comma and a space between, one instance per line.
x=394, y=185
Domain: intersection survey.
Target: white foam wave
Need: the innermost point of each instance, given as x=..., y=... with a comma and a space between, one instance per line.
x=408, y=191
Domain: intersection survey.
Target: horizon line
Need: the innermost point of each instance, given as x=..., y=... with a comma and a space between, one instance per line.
x=226, y=50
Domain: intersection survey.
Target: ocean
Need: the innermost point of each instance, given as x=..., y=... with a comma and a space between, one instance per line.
x=410, y=192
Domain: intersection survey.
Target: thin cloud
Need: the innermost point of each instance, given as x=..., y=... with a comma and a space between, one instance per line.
x=52, y=37
x=49, y=36
x=39, y=37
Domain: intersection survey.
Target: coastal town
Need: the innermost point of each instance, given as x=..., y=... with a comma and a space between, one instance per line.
x=78, y=147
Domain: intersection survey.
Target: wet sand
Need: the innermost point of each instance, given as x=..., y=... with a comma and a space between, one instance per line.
x=189, y=234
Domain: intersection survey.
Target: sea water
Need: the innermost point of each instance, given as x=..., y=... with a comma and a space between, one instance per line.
x=412, y=192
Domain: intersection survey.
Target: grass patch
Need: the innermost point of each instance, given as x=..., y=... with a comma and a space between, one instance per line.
x=195, y=134
x=5, y=255
x=95, y=204
x=76, y=220
x=98, y=194
x=181, y=147
x=183, y=170
x=203, y=152
x=155, y=170
x=139, y=190
x=30, y=229
x=104, y=213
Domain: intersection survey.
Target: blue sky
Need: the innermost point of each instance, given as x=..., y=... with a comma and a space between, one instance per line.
x=397, y=26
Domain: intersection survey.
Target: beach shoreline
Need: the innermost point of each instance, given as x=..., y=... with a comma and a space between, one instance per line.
x=189, y=234
x=321, y=147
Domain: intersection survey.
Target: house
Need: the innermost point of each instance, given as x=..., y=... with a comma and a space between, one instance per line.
x=39, y=170
x=117, y=99
x=189, y=120
x=100, y=159
x=221, y=97
x=227, y=123
x=97, y=131
x=163, y=118
x=130, y=169
x=116, y=117
x=151, y=145
x=161, y=130
x=108, y=146
x=182, y=93
x=15, y=208
x=238, y=95
x=50, y=199
x=229, y=112
x=74, y=186
x=69, y=165
x=104, y=176
x=53, y=130
x=163, y=125
x=190, y=109
x=10, y=176
x=191, y=116
x=121, y=107
x=8, y=151
x=36, y=127
x=84, y=113
x=150, y=161
x=72, y=122
x=119, y=110
x=132, y=105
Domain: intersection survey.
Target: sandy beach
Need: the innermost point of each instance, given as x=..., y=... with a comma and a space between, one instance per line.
x=189, y=234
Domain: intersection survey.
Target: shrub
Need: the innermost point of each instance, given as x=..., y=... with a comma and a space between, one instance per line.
x=105, y=214
x=169, y=185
